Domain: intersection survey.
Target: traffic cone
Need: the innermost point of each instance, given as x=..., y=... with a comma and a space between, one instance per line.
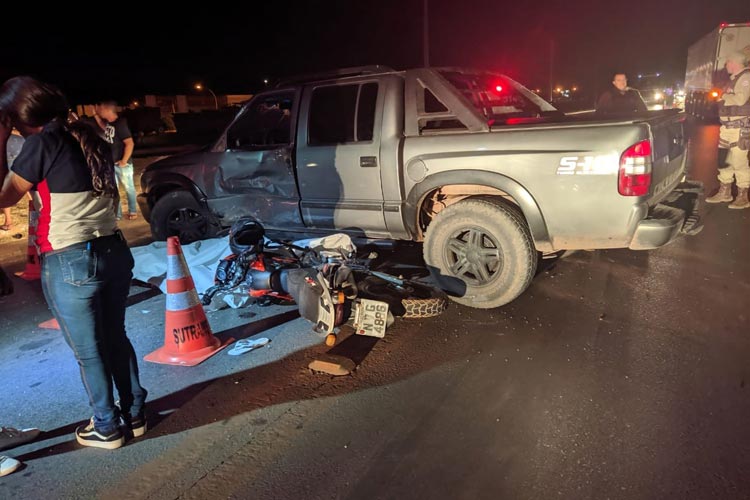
x=50, y=324
x=33, y=270
x=188, y=339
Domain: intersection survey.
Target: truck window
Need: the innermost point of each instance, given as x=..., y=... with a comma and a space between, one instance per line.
x=342, y=114
x=263, y=124
x=498, y=97
x=368, y=96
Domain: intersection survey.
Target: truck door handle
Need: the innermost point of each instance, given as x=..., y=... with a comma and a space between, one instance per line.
x=368, y=161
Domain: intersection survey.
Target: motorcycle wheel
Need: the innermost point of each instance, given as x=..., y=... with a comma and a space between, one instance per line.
x=412, y=300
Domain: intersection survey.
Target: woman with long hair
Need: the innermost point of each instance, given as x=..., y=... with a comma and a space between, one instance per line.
x=86, y=263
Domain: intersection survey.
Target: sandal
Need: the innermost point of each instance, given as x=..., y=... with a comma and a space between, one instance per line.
x=6, y=227
x=247, y=345
x=132, y=216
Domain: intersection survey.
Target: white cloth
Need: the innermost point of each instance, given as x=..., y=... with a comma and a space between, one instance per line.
x=202, y=258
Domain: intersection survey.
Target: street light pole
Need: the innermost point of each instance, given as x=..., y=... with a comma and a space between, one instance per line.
x=551, y=68
x=200, y=86
x=216, y=101
x=426, y=36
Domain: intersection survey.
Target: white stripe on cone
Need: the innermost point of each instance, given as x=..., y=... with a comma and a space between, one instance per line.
x=183, y=300
x=176, y=267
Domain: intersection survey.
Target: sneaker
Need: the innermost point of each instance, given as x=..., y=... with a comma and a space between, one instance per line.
x=137, y=426
x=8, y=465
x=10, y=437
x=87, y=435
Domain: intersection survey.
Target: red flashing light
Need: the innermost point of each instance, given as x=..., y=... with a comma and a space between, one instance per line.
x=498, y=88
x=723, y=25
x=634, y=178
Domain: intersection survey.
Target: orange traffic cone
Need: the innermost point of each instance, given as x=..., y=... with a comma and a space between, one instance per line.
x=188, y=339
x=33, y=270
x=50, y=324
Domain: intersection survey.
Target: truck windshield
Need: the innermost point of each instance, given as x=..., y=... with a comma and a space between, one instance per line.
x=498, y=97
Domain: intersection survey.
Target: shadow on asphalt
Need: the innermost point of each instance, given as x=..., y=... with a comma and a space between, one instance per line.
x=160, y=409
x=267, y=385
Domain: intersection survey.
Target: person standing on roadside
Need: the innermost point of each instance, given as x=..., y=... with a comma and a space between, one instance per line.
x=9, y=436
x=114, y=129
x=734, y=135
x=15, y=142
x=86, y=263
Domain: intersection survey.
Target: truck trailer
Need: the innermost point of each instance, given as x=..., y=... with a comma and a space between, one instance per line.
x=705, y=76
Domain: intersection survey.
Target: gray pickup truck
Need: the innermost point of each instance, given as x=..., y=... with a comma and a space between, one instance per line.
x=489, y=176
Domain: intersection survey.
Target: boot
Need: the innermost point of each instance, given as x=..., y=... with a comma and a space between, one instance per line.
x=741, y=200
x=723, y=196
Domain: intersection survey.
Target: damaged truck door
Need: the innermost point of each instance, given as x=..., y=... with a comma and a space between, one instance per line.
x=255, y=168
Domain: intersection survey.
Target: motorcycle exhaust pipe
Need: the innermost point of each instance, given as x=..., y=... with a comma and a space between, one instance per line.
x=276, y=281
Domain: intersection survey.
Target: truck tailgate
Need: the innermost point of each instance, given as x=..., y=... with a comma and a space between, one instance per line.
x=669, y=154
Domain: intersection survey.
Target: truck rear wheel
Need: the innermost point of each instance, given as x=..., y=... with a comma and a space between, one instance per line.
x=481, y=252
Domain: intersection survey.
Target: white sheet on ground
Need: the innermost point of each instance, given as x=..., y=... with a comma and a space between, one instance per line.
x=202, y=258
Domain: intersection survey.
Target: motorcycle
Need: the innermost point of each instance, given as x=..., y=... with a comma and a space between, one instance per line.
x=330, y=284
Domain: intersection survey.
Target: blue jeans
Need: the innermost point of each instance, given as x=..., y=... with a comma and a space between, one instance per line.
x=124, y=177
x=86, y=286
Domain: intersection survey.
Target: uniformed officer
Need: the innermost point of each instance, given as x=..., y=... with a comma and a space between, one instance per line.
x=734, y=134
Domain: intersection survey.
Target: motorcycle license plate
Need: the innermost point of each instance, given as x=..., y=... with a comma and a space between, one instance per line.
x=371, y=318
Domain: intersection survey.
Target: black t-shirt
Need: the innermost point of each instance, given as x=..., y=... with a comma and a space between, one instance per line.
x=114, y=133
x=616, y=102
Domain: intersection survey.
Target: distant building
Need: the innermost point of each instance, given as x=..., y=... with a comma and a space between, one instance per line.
x=171, y=104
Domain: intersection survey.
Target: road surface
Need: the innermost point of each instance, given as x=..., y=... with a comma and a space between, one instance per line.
x=618, y=374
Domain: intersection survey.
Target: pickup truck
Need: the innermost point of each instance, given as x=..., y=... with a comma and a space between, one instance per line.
x=489, y=176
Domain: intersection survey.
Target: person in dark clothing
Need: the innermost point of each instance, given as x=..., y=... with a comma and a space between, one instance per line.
x=620, y=99
x=10, y=437
x=114, y=129
x=6, y=285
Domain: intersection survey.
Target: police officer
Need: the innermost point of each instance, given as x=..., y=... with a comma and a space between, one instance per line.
x=734, y=134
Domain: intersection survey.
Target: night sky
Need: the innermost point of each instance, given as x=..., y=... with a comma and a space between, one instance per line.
x=127, y=50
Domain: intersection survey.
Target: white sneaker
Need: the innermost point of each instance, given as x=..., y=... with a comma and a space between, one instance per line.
x=10, y=437
x=8, y=465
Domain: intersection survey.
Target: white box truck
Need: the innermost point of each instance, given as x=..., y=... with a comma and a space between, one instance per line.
x=705, y=76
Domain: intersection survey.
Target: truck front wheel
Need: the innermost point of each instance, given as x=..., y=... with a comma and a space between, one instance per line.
x=178, y=213
x=481, y=252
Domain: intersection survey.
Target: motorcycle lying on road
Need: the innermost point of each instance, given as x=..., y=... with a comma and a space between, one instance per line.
x=330, y=284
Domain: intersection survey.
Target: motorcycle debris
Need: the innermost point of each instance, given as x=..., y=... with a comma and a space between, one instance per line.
x=246, y=345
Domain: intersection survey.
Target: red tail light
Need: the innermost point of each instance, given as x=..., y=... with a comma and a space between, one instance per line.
x=635, y=170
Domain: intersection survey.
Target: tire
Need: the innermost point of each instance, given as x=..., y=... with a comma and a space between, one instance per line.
x=414, y=300
x=501, y=260
x=178, y=213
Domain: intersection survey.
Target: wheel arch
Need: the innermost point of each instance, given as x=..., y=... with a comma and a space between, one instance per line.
x=461, y=184
x=164, y=183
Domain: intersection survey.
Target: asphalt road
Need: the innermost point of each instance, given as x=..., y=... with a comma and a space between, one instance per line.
x=618, y=374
